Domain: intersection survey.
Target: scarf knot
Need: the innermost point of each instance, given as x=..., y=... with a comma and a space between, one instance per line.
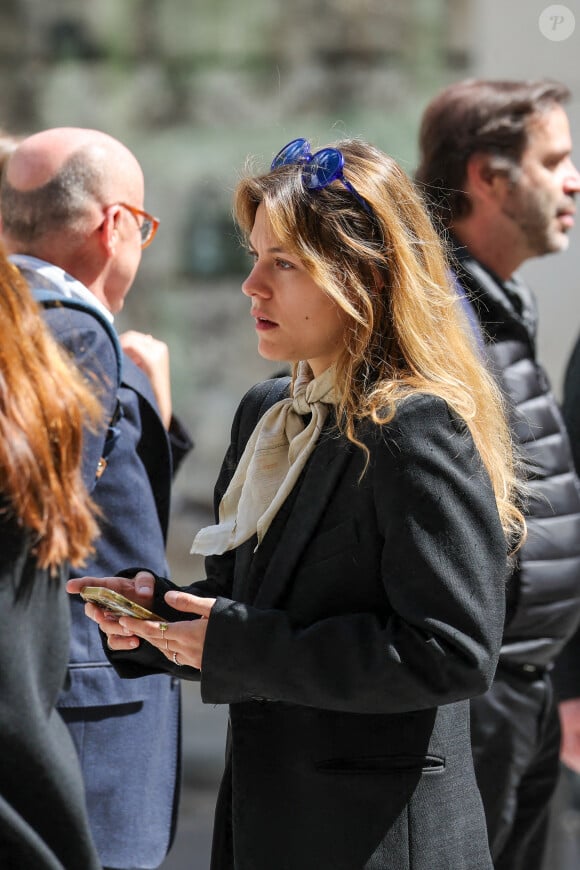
x=271, y=463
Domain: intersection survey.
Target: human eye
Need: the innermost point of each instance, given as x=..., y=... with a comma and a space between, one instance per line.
x=553, y=161
x=284, y=265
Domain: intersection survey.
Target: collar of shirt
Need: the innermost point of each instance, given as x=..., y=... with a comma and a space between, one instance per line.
x=54, y=278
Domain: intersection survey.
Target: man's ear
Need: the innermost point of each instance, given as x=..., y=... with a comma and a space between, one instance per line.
x=484, y=181
x=109, y=229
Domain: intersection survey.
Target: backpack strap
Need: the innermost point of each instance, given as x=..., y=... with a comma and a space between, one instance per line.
x=52, y=299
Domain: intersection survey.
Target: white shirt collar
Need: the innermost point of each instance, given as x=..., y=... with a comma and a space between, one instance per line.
x=57, y=279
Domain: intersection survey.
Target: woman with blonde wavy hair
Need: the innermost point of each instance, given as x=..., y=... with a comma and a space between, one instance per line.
x=46, y=520
x=354, y=597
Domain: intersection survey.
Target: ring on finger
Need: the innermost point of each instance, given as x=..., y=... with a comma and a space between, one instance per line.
x=175, y=662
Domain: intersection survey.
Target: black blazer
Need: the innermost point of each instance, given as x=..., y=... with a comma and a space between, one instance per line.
x=43, y=820
x=347, y=647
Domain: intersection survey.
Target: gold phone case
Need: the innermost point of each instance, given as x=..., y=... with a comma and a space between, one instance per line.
x=116, y=603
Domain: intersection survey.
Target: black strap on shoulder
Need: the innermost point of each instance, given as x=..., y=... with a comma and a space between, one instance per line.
x=52, y=299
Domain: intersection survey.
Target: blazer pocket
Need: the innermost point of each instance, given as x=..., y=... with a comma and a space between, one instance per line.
x=382, y=764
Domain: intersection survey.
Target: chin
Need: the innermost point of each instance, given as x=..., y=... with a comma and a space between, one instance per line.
x=564, y=243
x=270, y=354
x=554, y=243
x=558, y=243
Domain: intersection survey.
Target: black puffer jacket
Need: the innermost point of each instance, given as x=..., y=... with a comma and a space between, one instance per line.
x=544, y=590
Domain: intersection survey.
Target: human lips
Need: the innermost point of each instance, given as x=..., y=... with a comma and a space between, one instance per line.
x=566, y=216
x=263, y=322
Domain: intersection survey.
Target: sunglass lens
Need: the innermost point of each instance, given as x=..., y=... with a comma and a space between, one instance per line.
x=324, y=168
x=146, y=228
x=294, y=152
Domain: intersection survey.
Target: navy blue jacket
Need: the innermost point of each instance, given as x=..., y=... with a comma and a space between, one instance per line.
x=127, y=732
x=139, y=738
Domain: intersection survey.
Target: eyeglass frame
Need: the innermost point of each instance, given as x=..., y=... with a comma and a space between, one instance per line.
x=305, y=158
x=152, y=223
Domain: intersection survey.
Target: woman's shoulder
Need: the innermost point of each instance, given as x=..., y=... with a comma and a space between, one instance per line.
x=423, y=410
x=419, y=418
x=255, y=403
x=267, y=393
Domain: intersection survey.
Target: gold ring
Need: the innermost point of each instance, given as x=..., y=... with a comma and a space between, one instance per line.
x=166, y=644
x=163, y=627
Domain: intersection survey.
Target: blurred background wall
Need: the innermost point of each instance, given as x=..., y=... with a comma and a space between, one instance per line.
x=194, y=88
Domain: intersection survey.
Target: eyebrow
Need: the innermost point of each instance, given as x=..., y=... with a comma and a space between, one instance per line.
x=274, y=250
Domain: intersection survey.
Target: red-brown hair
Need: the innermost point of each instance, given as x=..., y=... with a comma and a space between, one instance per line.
x=44, y=404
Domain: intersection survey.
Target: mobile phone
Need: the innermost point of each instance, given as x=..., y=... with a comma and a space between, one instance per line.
x=116, y=603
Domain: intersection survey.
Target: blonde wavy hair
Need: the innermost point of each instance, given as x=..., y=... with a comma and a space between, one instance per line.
x=387, y=271
x=44, y=404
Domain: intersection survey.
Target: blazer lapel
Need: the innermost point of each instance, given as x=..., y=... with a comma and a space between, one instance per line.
x=321, y=475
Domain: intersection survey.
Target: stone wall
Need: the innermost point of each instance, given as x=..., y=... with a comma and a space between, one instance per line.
x=193, y=89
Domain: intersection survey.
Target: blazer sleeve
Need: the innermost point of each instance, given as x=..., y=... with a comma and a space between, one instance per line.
x=443, y=571
x=147, y=659
x=180, y=443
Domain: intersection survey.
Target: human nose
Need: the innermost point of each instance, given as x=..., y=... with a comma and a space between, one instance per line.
x=572, y=180
x=255, y=284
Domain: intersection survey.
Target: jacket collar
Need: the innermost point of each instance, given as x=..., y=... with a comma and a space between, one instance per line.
x=320, y=478
x=40, y=273
x=495, y=299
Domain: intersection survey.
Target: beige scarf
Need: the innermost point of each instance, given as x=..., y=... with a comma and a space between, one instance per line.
x=270, y=465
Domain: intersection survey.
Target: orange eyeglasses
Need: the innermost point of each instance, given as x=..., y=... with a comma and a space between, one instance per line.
x=148, y=225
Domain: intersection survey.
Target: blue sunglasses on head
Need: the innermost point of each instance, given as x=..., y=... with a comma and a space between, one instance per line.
x=319, y=169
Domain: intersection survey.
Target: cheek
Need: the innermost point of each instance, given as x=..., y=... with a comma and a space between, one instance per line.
x=331, y=323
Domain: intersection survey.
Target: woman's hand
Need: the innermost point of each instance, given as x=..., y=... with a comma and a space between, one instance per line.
x=139, y=588
x=180, y=642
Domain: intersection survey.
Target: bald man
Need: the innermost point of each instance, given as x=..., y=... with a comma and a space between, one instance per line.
x=73, y=223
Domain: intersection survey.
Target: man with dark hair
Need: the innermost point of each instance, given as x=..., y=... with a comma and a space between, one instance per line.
x=74, y=224
x=496, y=169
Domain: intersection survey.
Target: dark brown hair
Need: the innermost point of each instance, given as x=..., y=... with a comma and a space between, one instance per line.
x=473, y=117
